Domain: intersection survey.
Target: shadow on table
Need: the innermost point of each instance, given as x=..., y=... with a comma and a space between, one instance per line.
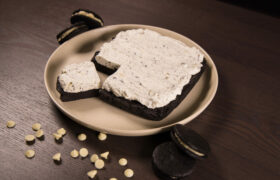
x=269, y=7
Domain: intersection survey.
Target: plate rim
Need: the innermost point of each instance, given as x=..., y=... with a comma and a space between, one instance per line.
x=141, y=132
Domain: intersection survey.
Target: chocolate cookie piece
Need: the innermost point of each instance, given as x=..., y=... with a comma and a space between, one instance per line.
x=90, y=18
x=71, y=32
x=190, y=142
x=170, y=163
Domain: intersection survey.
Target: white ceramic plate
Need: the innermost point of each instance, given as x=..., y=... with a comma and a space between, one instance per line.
x=100, y=116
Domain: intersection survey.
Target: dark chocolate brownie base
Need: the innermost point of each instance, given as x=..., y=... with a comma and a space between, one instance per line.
x=66, y=96
x=100, y=67
x=137, y=108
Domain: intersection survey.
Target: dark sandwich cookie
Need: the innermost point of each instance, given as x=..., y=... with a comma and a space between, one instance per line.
x=170, y=163
x=90, y=18
x=71, y=32
x=190, y=142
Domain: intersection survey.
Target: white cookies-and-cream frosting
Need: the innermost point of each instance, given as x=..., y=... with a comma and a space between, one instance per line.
x=79, y=77
x=152, y=68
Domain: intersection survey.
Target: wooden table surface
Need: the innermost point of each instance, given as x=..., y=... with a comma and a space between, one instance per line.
x=242, y=123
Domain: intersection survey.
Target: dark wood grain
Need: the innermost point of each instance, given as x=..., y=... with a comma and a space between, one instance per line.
x=242, y=124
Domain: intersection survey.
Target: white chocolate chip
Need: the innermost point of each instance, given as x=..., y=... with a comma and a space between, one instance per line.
x=39, y=134
x=29, y=154
x=74, y=153
x=56, y=157
x=29, y=138
x=83, y=152
x=102, y=136
x=91, y=174
x=123, y=162
x=57, y=136
x=94, y=158
x=99, y=164
x=61, y=131
x=113, y=179
x=11, y=124
x=128, y=173
x=82, y=137
x=36, y=126
x=105, y=155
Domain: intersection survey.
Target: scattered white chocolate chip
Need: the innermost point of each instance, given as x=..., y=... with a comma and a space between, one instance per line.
x=61, y=131
x=102, y=136
x=36, y=126
x=128, y=173
x=83, y=152
x=56, y=157
x=113, y=179
x=82, y=137
x=74, y=153
x=29, y=138
x=39, y=134
x=29, y=153
x=123, y=162
x=105, y=155
x=93, y=158
x=99, y=164
x=11, y=124
x=57, y=136
x=91, y=174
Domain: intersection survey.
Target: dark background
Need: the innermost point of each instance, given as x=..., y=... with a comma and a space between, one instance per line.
x=242, y=124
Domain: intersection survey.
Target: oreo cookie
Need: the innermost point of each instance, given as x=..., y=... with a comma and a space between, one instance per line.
x=90, y=18
x=71, y=32
x=170, y=163
x=190, y=142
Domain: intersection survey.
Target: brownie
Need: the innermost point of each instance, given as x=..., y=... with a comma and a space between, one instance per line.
x=66, y=96
x=100, y=67
x=139, y=109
